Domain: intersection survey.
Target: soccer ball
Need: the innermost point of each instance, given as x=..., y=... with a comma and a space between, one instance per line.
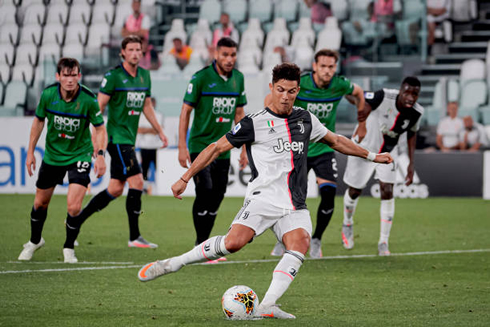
x=240, y=303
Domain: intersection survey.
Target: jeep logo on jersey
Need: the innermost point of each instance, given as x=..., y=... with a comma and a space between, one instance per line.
x=321, y=110
x=66, y=124
x=288, y=146
x=135, y=99
x=223, y=106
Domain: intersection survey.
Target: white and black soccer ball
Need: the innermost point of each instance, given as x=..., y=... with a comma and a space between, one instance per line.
x=240, y=303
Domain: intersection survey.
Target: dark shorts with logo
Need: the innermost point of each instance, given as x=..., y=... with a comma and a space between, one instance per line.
x=324, y=166
x=213, y=178
x=49, y=175
x=124, y=163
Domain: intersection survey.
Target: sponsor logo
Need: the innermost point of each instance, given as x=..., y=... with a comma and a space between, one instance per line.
x=236, y=128
x=211, y=85
x=245, y=215
x=135, y=99
x=270, y=123
x=207, y=247
x=321, y=110
x=369, y=95
x=293, y=272
x=64, y=136
x=66, y=124
x=288, y=146
x=223, y=105
x=223, y=120
x=133, y=113
x=125, y=81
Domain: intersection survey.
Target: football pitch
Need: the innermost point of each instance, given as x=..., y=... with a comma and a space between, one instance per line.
x=438, y=275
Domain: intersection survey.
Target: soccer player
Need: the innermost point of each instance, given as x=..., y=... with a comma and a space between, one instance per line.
x=391, y=113
x=276, y=140
x=126, y=89
x=70, y=109
x=217, y=94
x=320, y=94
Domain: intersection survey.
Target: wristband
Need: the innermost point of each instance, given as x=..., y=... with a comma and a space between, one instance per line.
x=371, y=156
x=101, y=153
x=184, y=180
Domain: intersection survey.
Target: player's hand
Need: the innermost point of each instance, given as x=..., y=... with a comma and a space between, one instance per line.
x=178, y=188
x=99, y=166
x=184, y=158
x=384, y=158
x=360, y=132
x=164, y=139
x=410, y=172
x=31, y=163
x=243, y=161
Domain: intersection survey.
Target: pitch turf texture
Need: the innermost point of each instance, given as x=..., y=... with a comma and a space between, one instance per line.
x=346, y=289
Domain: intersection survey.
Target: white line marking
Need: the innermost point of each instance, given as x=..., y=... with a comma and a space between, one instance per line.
x=356, y=256
x=78, y=263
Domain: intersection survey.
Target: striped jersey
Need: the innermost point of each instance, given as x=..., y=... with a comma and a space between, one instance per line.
x=386, y=122
x=128, y=95
x=277, y=148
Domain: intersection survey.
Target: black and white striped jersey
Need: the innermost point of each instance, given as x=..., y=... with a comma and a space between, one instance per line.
x=386, y=122
x=277, y=147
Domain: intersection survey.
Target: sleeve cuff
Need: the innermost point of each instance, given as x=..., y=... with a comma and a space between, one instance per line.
x=105, y=93
x=190, y=103
x=232, y=142
x=97, y=125
x=40, y=118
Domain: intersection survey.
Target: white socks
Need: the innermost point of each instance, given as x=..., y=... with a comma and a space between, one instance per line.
x=349, y=208
x=211, y=249
x=387, y=212
x=282, y=276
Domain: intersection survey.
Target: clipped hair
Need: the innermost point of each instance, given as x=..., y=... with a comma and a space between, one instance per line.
x=131, y=39
x=412, y=81
x=287, y=71
x=68, y=63
x=226, y=42
x=327, y=53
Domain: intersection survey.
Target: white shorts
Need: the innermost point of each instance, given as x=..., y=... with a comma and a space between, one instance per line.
x=358, y=172
x=261, y=216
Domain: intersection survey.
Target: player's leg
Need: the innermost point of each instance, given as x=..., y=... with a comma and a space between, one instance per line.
x=387, y=178
x=219, y=176
x=295, y=229
x=133, y=208
x=325, y=167
x=357, y=174
x=146, y=159
x=247, y=223
x=49, y=176
x=74, y=199
x=200, y=209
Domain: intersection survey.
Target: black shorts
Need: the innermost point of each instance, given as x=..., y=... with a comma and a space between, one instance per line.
x=124, y=163
x=213, y=178
x=49, y=176
x=324, y=166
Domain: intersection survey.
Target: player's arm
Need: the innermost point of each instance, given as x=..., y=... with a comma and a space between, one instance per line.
x=411, y=140
x=100, y=145
x=36, y=130
x=243, y=161
x=208, y=155
x=344, y=145
x=149, y=112
x=103, y=99
x=362, y=112
x=185, y=116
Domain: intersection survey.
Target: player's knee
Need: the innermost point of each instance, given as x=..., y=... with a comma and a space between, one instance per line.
x=354, y=193
x=386, y=191
x=327, y=193
x=137, y=184
x=74, y=209
x=115, y=191
x=233, y=244
x=41, y=204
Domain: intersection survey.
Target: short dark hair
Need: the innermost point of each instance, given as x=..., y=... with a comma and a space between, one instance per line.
x=226, y=42
x=412, y=81
x=287, y=71
x=131, y=39
x=69, y=64
x=327, y=53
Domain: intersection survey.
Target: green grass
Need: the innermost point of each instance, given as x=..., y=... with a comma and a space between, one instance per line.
x=420, y=290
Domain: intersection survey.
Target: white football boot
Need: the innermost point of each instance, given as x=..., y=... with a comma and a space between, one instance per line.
x=29, y=249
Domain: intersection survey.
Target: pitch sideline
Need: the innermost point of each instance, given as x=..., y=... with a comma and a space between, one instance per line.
x=125, y=265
